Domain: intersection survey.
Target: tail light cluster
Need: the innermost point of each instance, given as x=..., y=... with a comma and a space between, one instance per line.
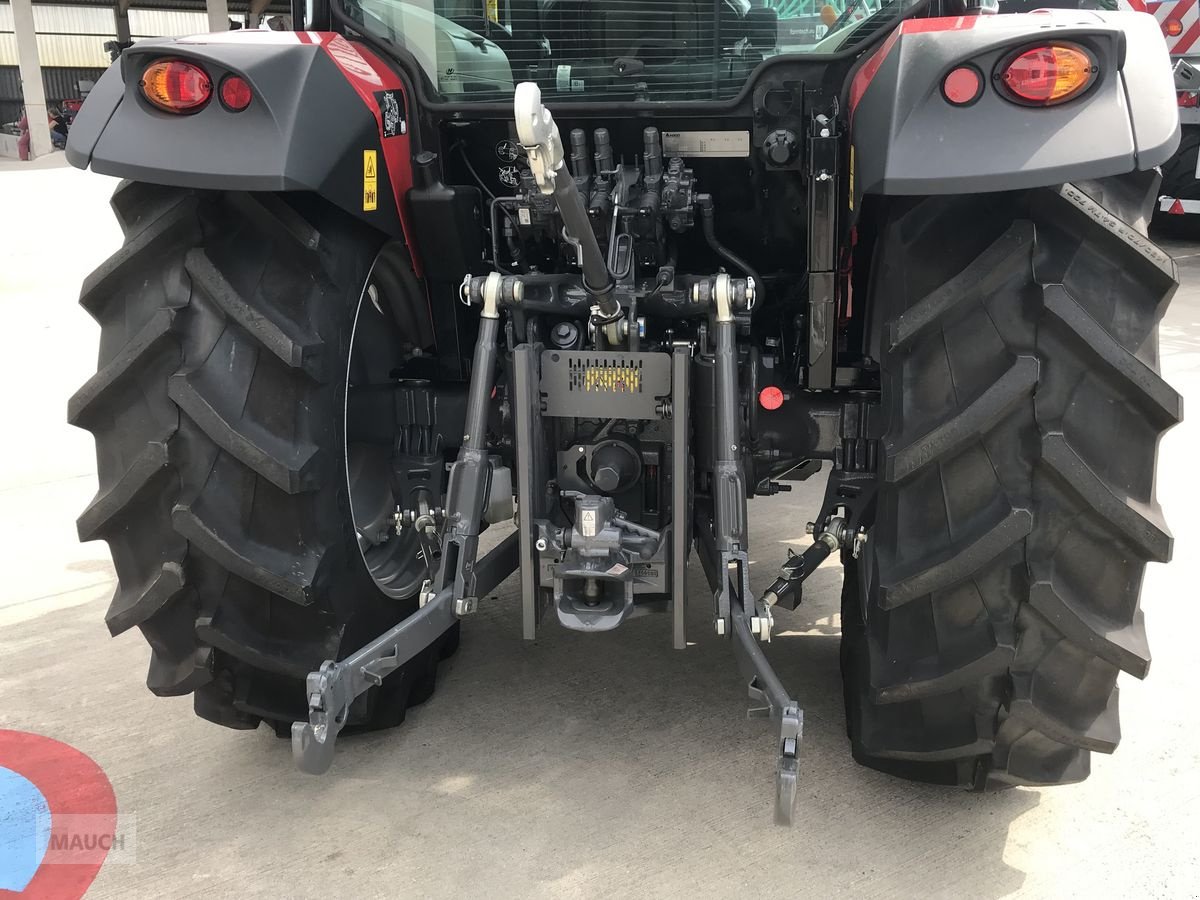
x=177, y=86
x=1044, y=75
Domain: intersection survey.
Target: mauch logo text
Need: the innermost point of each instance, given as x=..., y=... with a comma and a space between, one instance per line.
x=80, y=839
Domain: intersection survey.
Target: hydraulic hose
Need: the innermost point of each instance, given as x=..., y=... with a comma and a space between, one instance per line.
x=705, y=202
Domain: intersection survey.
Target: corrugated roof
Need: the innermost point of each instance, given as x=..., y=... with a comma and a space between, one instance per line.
x=78, y=50
x=166, y=22
x=74, y=35
x=235, y=6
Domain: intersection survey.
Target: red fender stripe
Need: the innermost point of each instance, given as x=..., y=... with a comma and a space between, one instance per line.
x=369, y=75
x=869, y=69
x=938, y=23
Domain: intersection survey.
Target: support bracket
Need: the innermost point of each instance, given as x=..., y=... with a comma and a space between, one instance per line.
x=766, y=692
x=333, y=687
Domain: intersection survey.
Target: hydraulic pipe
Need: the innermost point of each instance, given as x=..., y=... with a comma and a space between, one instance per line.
x=581, y=157
x=705, y=202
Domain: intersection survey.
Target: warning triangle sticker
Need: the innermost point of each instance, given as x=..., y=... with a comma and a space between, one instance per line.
x=369, y=166
x=1176, y=209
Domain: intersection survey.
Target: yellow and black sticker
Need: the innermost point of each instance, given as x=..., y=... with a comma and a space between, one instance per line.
x=493, y=11
x=370, y=180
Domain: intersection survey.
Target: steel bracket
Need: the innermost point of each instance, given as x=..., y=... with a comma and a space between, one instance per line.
x=787, y=769
x=452, y=591
x=768, y=696
x=823, y=187
x=333, y=688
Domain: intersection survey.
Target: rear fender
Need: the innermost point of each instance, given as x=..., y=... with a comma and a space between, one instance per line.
x=906, y=138
x=327, y=116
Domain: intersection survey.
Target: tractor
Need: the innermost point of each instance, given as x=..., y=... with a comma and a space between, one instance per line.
x=424, y=293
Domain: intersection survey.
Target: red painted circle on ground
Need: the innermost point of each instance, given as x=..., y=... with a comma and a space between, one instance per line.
x=80, y=799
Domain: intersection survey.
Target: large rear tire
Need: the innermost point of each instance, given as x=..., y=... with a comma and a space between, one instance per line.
x=218, y=412
x=985, y=626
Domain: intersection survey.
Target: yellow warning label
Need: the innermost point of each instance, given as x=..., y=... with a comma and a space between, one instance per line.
x=493, y=10
x=370, y=181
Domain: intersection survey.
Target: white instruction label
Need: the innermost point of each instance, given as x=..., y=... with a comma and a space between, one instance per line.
x=523, y=215
x=587, y=523
x=706, y=143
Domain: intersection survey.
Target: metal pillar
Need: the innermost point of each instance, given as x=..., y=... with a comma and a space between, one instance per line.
x=255, y=13
x=218, y=15
x=32, y=89
x=121, y=18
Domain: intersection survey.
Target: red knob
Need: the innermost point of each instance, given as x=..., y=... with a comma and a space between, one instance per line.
x=770, y=397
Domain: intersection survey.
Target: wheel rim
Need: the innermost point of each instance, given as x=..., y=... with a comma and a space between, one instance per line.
x=393, y=558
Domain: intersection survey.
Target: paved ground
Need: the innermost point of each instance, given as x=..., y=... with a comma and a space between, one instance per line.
x=576, y=766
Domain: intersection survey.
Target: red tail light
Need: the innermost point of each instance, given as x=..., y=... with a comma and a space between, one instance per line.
x=963, y=86
x=235, y=93
x=1044, y=76
x=1172, y=28
x=176, y=86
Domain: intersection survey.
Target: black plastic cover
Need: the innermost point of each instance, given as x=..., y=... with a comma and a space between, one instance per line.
x=306, y=128
x=908, y=139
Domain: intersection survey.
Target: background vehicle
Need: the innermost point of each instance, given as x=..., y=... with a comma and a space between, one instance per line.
x=1180, y=186
x=365, y=302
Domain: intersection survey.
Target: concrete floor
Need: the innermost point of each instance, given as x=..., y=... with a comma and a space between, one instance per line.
x=574, y=766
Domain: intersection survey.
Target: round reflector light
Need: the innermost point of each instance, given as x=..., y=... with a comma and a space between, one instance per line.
x=1043, y=76
x=235, y=93
x=1172, y=28
x=963, y=85
x=770, y=397
x=176, y=86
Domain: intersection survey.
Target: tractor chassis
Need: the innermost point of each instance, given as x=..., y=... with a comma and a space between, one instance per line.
x=600, y=547
x=719, y=529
